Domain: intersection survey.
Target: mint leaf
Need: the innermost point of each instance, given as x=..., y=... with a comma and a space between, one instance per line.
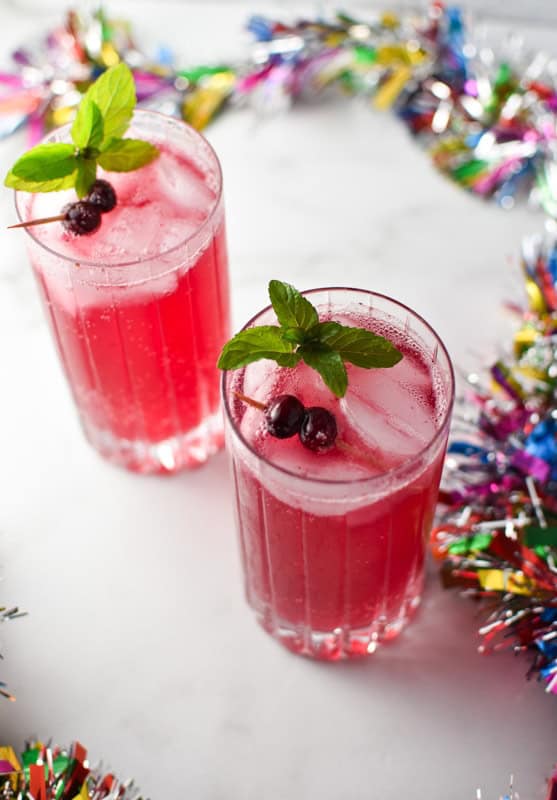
x=323, y=346
x=292, y=310
x=328, y=364
x=114, y=95
x=294, y=335
x=44, y=164
x=125, y=155
x=88, y=126
x=54, y=185
x=45, y=168
x=358, y=345
x=86, y=175
x=253, y=344
x=103, y=116
x=322, y=330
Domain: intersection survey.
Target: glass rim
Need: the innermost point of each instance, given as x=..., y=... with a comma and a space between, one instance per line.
x=164, y=253
x=372, y=479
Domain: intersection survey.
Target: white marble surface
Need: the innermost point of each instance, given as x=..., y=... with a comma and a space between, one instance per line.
x=138, y=640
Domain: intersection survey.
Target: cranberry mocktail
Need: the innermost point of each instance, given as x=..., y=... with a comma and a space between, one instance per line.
x=333, y=542
x=139, y=308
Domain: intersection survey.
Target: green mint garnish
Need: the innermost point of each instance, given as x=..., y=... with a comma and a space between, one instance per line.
x=324, y=346
x=114, y=96
x=103, y=117
x=124, y=155
x=291, y=308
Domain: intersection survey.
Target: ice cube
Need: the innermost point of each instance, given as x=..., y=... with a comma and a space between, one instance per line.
x=184, y=188
x=334, y=465
x=389, y=413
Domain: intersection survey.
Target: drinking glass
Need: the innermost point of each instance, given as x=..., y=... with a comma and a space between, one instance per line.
x=139, y=311
x=333, y=546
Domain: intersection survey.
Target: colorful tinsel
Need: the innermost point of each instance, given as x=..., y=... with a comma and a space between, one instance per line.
x=52, y=73
x=498, y=539
x=489, y=121
x=44, y=772
x=512, y=795
x=52, y=773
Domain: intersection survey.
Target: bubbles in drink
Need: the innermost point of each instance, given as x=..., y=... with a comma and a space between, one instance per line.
x=183, y=185
x=392, y=409
x=159, y=206
x=386, y=417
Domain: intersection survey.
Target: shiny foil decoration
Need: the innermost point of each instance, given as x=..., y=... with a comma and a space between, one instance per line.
x=52, y=73
x=497, y=539
x=485, y=112
x=497, y=536
x=45, y=772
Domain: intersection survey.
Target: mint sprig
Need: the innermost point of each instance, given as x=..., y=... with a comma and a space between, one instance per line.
x=102, y=118
x=300, y=336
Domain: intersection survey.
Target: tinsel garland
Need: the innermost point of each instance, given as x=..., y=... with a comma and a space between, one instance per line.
x=53, y=773
x=488, y=120
x=498, y=538
x=44, y=772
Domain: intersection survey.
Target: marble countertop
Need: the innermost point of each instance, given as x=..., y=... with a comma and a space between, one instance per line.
x=138, y=641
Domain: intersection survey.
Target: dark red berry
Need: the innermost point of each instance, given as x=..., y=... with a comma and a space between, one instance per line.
x=319, y=429
x=81, y=217
x=102, y=194
x=284, y=415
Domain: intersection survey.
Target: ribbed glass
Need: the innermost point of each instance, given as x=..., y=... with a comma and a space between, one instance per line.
x=139, y=341
x=334, y=567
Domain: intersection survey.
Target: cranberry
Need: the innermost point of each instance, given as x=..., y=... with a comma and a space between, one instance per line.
x=284, y=415
x=102, y=194
x=81, y=217
x=319, y=429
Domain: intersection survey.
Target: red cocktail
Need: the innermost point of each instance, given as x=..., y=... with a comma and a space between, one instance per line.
x=333, y=543
x=140, y=309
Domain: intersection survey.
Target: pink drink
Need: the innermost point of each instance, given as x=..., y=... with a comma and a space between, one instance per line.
x=140, y=308
x=333, y=544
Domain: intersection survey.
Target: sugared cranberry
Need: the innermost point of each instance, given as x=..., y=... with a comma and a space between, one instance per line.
x=81, y=217
x=102, y=194
x=284, y=415
x=319, y=429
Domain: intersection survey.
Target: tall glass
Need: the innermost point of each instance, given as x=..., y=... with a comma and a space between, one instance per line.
x=333, y=544
x=140, y=309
